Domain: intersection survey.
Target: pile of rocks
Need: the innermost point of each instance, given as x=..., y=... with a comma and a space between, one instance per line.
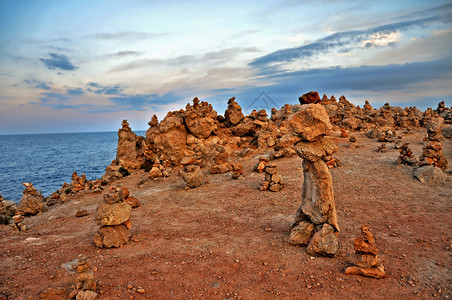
x=382, y=148
x=365, y=260
x=78, y=184
x=32, y=201
x=353, y=143
x=406, y=156
x=7, y=210
x=432, y=154
x=129, y=199
x=272, y=181
x=237, y=170
x=316, y=221
x=84, y=280
x=192, y=175
x=263, y=160
x=157, y=171
x=113, y=215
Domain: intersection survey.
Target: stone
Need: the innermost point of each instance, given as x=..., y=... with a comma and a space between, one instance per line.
x=112, y=236
x=129, y=153
x=315, y=150
x=132, y=201
x=373, y=134
x=360, y=245
x=32, y=202
x=308, y=98
x=53, y=293
x=86, y=295
x=233, y=114
x=364, y=260
x=112, y=214
x=324, y=242
x=301, y=234
x=114, y=196
x=430, y=174
x=81, y=213
x=193, y=176
x=369, y=272
x=310, y=122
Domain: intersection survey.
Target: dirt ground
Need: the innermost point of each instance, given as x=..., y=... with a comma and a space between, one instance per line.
x=227, y=240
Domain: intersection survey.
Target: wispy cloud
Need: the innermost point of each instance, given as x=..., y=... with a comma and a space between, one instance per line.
x=105, y=89
x=121, y=54
x=125, y=35
x=58, y=61
x=48, y=97
x=140, y=102
x=344, y=41
x=75, y=91
x=38, y=84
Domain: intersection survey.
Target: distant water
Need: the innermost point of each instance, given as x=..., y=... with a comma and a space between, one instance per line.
x=48, y=160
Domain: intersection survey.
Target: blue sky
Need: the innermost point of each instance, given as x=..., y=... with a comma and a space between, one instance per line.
x=72, y=66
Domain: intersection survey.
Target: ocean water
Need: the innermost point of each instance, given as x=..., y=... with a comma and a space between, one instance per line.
x=48, y=160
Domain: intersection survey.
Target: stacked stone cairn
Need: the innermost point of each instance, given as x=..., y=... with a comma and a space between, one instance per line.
x=406, y=156
x=316, y=221
x=382, y=148
x=113, y=215
x=272, y=181
x=365, y=260
x=432, y=153
x=84, y=279
x=157, y=171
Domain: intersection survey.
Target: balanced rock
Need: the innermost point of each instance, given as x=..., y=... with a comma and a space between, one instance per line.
x=365, y=260
x=233, y=114
x=32, y=202
x=310, y=122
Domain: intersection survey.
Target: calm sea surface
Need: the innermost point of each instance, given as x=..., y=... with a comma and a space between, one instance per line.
x=48, y=160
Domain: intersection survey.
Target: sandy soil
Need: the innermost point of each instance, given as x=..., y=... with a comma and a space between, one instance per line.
x=226, y=239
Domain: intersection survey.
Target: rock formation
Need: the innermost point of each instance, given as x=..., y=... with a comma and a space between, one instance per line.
x=84, y=279
x=32, y=202
x=233, y=114
x=432, y=154
x=129, y=154
x=406, y=156
x=113, y=216
x=316, y=220
x=192, y=175
x=7, y=210
x=272, y=181
x=365, y=260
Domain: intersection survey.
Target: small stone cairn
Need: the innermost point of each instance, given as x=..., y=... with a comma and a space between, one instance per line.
x=272, y=181
x=365, y=260
x=113, y=215
x=84, y=279
x=406, y=156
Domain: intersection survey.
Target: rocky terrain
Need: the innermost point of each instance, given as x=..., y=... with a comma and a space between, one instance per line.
x=183, y=213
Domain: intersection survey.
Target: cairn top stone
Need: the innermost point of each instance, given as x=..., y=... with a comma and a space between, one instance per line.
x=310, y=122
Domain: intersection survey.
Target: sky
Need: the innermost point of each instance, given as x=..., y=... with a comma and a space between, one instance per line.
x=76, y=66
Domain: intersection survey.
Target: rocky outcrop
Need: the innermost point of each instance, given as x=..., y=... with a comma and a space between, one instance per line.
x=272, y=180
x=317, y=206
x=365, y=260
x=113, y=216
x=7, y=210
x=32, y=202
x=129, y=154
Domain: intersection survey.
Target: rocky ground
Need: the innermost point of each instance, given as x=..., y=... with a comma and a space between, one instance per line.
x=226, y=239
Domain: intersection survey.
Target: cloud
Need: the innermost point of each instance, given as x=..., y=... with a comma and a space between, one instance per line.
x=225, y=55
x=58, y=61
x=105, y=89
x=121, y=54
x=75, y=91
x=38, y=84
x=126, y=35
x=344, y=41
x=50, y=97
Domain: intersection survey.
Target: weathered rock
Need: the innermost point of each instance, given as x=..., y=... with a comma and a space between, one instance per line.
x=81, y=213
x=308, y=98
x=369, y=272
x=112, y=214
x=32, y=202
x=7, y=210
x=112, y=236
x=233, y=114
x=360, y=245
x=310, y=122
x=313, y=151
x=302, y=234
x=54, y=293
x=430, y=174
x=129, y=153
x=406, y=156
x=447, y=132
x=374, y=133
x=193, y=176
x=324, y=242
x=272, y=181
x=86, y=295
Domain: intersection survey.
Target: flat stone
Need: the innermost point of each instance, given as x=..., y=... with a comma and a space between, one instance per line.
x=112, y=214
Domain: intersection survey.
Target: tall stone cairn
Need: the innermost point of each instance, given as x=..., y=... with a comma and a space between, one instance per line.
x=113, y=216
x=316, y=221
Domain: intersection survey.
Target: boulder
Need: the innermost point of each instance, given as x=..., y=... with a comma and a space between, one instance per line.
x=324, y=242
x=112, y=236
x=310, y=122
x=430, y=174
x=193, y=176
x=112, y=214
x=302, y=234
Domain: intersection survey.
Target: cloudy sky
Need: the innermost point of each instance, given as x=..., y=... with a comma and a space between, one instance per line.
x=74, y=66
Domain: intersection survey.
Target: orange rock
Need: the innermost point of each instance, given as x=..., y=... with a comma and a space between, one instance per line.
x=361, y=245
x=370, y=272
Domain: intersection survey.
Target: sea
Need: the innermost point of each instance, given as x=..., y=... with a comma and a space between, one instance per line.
x=48, y=160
